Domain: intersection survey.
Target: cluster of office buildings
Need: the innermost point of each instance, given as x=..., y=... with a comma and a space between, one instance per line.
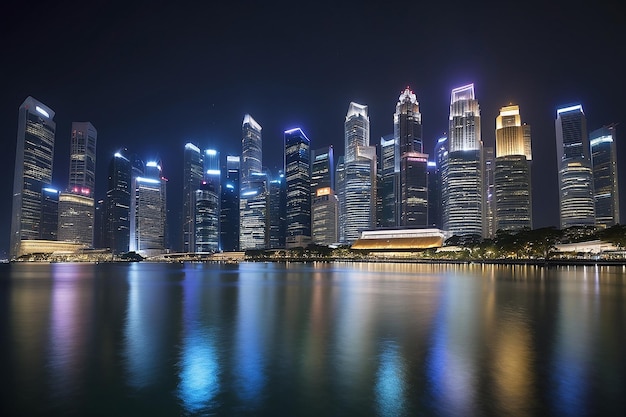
x=233, y=203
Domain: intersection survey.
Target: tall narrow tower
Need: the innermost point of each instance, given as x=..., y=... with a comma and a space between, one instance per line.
x=605, y=184
x=412, y=190
x=192, y=178
x=356, y=177
x=251, y=150
x=33, y=171
x=298, y=183
x=573, y=151
x=76, y=204
x=512, y=172
x=463, y=191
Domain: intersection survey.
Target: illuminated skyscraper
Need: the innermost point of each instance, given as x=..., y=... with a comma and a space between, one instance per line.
x=253, y=211
x=76, y=218
x=435, y=181
x=34, y=155
x=356, y=177
x=50, y=214
x=83, y=158
x=148, y=210
x=604, y=162
x=117, y=224
x=76, y=205
x=356, y=129
x=324, y=203
x=277, y=212
x=193, y=176
x=251, y=150
x=463, y=190
x=298, y=183
x=412, y=199
x=489, y=168
x=512, y=192
x=229, y=211
x=206, y=218
x=576, y=200
x=389, y=182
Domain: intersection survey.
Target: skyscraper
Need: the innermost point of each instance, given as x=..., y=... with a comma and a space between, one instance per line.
x=576, y=201
x=50, y=214
x=193, y=176
x=206, y=218
x=251, y=149
x=277, y=212
x=412, y=196
x=356, y=177
x=324, y=203
x=388, y=211
x=604, y=163
x=463, y=188
x=117, y=225
x=33, y=170
x=435, y=183
x=83, y=158
x=76, y=205
x=298, y=183
x=229, y=211
x=253, y=211
x=148, y=210
x=513, y=203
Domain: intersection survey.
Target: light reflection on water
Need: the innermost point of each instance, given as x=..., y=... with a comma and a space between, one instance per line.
x=312, y=339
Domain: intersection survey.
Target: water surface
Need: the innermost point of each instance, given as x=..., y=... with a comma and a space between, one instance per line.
x=318, y=339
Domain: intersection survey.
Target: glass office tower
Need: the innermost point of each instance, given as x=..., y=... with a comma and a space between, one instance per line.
x=193, y=176
x=298, y=184
x=576, y=202
x=117, y=225
x=605, y=179
x=463, y=191
x=34, y=156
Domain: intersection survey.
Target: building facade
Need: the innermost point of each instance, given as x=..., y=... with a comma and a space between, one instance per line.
x=463, y=191
x=298, y=184
x=148, y=210
x=33, y=171
x=605, y=179
x=117, y=224
x=576, y=196
x=512, y=173
x=193, y=176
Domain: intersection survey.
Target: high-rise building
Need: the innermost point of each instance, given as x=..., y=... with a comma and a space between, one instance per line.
x=324, y=216
x=277, y=212
x=356, y=177
x=251, y=150
x=49, y=214
x=229, y=212
x=76, y=205
x=576, y=202
x=605, y=183
x=463, y=187
x=388, y=188
x=33, y=170
x=322, y=169
x=76, y=218
x=193, y=175
x=324, y=203
x=117, y=224
x=412, y=199
x=357, y=182
x=512, y=192
x=298, y=184
x=435, y=183
x=83, y=158
x=253, y=210
x=206, y=218
x=148, y=222
x=489, y=184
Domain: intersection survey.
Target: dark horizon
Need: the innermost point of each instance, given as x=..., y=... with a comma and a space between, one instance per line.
x=152, y=77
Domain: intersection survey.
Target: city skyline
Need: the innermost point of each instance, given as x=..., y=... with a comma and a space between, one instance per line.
x=138, y=99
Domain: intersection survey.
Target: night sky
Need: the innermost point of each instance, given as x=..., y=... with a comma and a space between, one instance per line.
x=152, y=76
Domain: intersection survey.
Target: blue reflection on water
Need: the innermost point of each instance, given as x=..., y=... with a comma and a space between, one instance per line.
x=390, y=382
x=199, y=374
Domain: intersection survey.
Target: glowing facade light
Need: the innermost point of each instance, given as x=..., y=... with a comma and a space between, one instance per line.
x=148, y=180
x=213, y=172
x=50, y=190
x=249, y=193
x=211, y=152
x=192, y=147
x=577, y=107
x=42, y=111
x=323, y=191
x=600, y=140
x=465, y=92
x=248, y=120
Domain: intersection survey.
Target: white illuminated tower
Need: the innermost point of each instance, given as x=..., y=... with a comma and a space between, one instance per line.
x=576, y=201
x=251, y=150
x=192, y=178
x=463, y=190
x=33, y=171
x=148, y=212
x=513, y=203
x=298, y=184
x=356, y=177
